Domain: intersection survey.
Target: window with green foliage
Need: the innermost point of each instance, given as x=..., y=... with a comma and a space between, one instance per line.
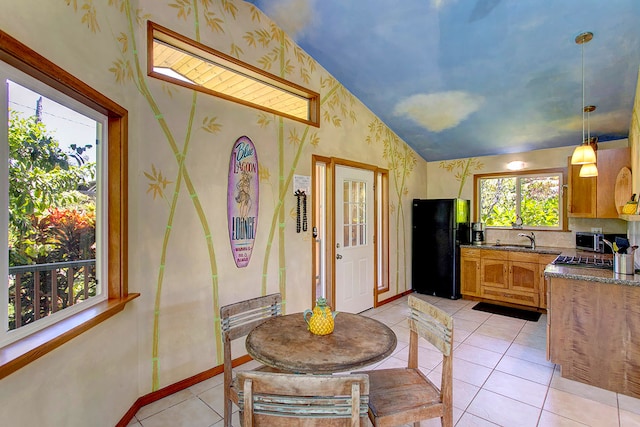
x=54, y=195
x=68, y=176
x=532, y=200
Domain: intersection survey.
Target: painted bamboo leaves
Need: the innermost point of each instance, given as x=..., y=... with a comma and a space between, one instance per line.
x=157, y=183
x=280, y=55
x=401, y=160
x=89, y=14
x=283, y=57
x=122, y=71
x=462, y=169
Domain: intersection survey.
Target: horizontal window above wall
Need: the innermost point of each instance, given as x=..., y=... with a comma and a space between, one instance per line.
x=179, y=60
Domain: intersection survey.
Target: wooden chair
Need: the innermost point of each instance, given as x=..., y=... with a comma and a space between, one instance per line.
x=404, y=395
x=236, y=321
x=298, y=400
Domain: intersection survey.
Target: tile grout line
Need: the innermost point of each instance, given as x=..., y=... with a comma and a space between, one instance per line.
x=482, y=387
x=529, y=339
x=492, y=371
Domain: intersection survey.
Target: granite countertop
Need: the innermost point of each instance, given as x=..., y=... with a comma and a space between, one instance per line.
x=589, y=274
x=548, y=250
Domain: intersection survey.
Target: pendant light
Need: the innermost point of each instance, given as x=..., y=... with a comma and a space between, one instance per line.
x=584, y=153
x=589, y=169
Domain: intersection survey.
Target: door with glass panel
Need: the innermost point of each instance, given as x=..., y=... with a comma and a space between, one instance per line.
x=354, y=245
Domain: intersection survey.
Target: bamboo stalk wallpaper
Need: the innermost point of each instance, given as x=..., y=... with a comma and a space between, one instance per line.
x=461, y=170
x=179, y=143
x=240, y=30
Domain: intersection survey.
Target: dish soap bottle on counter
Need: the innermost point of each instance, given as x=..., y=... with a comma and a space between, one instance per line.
x=321, y=321
x=518, y=223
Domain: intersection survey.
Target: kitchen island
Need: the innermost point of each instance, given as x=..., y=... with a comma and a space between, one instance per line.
x=593, y=326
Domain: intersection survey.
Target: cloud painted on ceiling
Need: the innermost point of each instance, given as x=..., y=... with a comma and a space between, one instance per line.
x=458, y=78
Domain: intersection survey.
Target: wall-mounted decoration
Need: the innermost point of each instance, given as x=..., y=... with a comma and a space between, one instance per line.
x=301, y=187
x=242, y=200
x=301, y=207
x=301, y=183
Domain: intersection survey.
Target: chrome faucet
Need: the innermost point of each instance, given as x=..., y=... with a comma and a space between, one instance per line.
x=531, y=237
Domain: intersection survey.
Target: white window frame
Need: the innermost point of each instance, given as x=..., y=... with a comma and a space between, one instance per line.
x=519, y=176
x=8, y=72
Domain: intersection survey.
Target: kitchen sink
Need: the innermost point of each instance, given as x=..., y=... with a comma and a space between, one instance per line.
x=503, y=246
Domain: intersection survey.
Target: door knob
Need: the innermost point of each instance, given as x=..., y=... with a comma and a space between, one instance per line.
x=338, y=256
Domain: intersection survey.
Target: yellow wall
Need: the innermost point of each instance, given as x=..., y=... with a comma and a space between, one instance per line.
x=95, y=378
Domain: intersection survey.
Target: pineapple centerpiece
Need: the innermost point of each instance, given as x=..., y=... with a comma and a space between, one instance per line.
x=321, y=321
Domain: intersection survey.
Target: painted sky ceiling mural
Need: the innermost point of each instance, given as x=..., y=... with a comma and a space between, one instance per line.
x=463, y=78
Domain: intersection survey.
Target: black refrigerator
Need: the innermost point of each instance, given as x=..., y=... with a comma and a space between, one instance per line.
x=440, y=226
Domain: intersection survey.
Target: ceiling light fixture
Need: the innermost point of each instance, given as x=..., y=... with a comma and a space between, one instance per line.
x=588, y=170
x=516, y=165
x=585, y=153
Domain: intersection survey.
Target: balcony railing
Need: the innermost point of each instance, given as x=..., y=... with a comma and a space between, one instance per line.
x=36, y=291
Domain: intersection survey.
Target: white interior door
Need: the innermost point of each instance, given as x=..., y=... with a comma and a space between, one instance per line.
x=354, y=222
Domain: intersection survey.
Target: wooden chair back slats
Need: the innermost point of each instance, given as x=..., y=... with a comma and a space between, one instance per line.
x=405, y=395
x=421, y=320
x=303, y=400
x=236, y=321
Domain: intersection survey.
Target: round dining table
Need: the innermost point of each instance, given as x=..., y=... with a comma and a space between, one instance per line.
x=284, y=342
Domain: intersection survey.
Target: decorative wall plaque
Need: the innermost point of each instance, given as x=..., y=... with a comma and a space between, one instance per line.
x=242, y=200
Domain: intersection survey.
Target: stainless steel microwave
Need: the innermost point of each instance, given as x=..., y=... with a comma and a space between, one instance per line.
x=594, y=242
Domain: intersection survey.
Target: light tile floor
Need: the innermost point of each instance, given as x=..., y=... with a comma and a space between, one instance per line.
x=501, y=377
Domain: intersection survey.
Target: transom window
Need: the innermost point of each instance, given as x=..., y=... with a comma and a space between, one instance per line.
x=527, y=200
x=175, y=58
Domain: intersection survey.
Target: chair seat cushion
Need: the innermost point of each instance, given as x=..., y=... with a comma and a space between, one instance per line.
x=402, y=390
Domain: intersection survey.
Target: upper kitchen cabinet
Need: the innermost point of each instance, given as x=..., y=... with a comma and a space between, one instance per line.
x=594, y=197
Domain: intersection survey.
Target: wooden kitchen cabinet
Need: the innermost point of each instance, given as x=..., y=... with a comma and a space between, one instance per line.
x=470, y=272
x=494, y=272
x=506, y=276
x=543, y=260
x=524, y=276
x=522, y=284
x=581, y=201
x=594, y=197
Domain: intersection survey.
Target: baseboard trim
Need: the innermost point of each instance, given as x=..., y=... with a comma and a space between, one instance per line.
x=209, y=373
x=176, y=387
x=393, y=298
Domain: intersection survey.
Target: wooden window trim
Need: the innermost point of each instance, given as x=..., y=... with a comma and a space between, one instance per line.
x=24, y=351
x=563, y=196
x=383, y=240
x=313, y=98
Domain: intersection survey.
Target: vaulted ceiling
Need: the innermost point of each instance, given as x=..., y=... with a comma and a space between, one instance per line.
x=466, y=78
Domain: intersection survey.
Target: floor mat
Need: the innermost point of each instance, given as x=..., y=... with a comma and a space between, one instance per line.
x=531, y=316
